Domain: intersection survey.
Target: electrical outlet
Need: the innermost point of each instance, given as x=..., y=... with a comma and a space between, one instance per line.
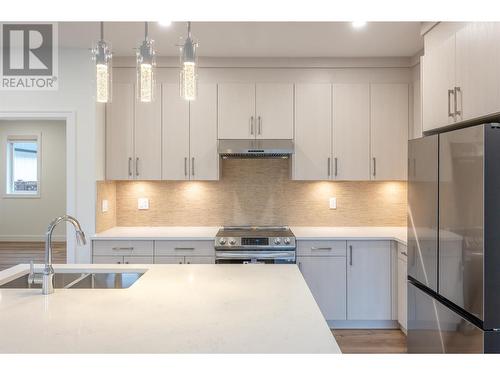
x=143, y=204
x=105, y=205
x=333, y=203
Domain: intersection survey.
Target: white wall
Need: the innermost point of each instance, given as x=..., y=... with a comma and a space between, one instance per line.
x=77, y=94
x=26, y=219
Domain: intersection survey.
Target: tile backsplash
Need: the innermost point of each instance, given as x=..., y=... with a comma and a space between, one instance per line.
x=253, y=191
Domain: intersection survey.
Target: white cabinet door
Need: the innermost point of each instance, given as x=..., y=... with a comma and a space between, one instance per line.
x=138, y=260
x=199, y=260
x=389, y=131
x=101, y=259
x=369, y=280
x=477, y=73
x=147, y=139
x=326, y=278
x=402, y=293
x=236, y=111
x=438, y=78
x=175, y=134
x=169, y=260
x=120, y=133
x=203, y=134
x=351, y=131
x=313, y=131
x=274, y=110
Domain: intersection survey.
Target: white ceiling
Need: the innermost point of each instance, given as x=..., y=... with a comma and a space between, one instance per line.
x=256, y=39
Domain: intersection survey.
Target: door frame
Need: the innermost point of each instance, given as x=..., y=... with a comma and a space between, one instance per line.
x=70, y=119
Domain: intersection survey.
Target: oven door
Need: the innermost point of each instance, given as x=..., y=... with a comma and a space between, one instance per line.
x=253, y=257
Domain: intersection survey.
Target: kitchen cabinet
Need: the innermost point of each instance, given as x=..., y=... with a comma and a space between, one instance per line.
x=402, y=287
x=369, y=280
x=313, y=131
x=326, y=278
x=133, y=147
x=351, y=132
x=122, y=259
x=190, y=134
x=249, y=111
x=122, y=248
x=184, y=260
x=389, y=131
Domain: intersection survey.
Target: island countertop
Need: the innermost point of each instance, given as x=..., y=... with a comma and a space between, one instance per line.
x=170, y=309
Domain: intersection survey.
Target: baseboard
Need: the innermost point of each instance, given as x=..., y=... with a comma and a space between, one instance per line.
x=30, y=238
x=363, y=324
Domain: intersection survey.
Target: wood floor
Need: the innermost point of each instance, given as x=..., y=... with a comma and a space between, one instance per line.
x=12, y=253
x=372, y=341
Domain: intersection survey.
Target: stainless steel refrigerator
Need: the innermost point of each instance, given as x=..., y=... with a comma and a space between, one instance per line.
x=454, y=241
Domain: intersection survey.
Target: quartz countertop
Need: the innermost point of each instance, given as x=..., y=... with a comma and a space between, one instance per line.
x=209, y=233
x=170, y=309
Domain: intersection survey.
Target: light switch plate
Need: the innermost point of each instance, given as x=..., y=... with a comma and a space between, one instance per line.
x=105, y=205
x=143, y=204
x=333, y=203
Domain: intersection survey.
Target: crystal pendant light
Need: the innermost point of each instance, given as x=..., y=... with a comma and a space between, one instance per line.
x=102, y=56
x=146, y=65
x=189, y=68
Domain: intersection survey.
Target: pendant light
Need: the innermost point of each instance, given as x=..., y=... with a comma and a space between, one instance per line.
x=189, y=68
x=102, y=56
x=146, y=65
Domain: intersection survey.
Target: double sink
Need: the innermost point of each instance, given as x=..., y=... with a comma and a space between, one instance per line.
x=67, y=280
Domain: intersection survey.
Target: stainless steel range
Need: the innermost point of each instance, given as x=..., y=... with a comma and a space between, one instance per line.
x=247, y=244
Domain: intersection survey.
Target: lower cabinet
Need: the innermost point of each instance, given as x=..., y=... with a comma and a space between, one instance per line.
x=326, y=278
x=369, y=292
x=402, y=287
x=114, y=259
x=184, y=260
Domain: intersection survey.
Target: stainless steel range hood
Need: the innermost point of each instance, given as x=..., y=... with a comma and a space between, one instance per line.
x=255, y=148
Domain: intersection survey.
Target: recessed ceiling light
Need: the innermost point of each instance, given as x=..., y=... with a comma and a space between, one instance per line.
x=165, y=23
x=358, y=24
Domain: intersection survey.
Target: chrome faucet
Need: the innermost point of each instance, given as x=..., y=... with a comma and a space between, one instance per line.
x=48, y=271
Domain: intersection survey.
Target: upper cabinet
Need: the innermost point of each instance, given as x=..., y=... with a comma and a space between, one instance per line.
x=389, y=131
x=190, y=134
x=350, y=131
x=460, y=73
x=249, y=111
x=133, y=148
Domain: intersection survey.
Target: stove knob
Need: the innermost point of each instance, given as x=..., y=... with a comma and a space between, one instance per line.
x=277, y=241
x=287, y=241
x=222, y=241
x=232, y=242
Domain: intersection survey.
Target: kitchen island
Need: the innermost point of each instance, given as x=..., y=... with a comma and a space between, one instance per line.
x=170, y=309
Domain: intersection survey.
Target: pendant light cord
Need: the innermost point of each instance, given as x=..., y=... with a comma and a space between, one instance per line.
x=102, y=30
x=189, y=29
x=146, y=30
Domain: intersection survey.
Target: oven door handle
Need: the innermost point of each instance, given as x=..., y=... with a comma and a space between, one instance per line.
x=254, y=255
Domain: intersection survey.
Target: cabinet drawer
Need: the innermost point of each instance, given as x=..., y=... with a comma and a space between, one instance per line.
x=321, y=248
x=138, y=260
x=169, y=260
x=199, y=260
x=123, y=247
x=107, y=260
x=181, y=248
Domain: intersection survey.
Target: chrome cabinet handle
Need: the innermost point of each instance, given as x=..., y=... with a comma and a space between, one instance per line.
x=192, y=166
x=130, y=167
x=336, y=169
x=450, y=114
x=137, y=166
x=456, y=91
x=251, y=125
x=320, y=248
x=328, y=167
x=185, y=167
x=260, y=125
x=118, y=262
x=374, y=167
x=183, y=248
x=125, y=262
x=404, y=253
x=350, y=255
x=123, y=248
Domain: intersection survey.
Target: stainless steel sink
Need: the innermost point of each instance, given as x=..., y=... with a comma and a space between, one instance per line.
x=63, y=280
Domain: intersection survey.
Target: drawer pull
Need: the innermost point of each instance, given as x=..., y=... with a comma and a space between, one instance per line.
x=404, y=253
x=183, y=248
x=123, y=248
x=321, y=248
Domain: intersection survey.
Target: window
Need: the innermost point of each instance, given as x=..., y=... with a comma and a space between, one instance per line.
x=23, y=166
